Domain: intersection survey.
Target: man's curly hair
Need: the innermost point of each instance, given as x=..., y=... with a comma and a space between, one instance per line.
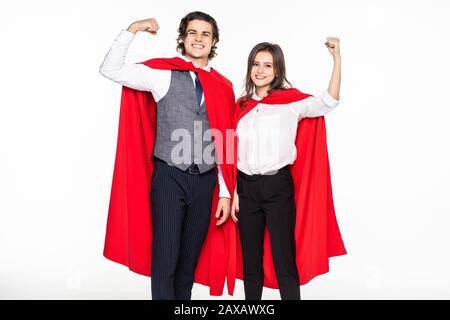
x=182, y=29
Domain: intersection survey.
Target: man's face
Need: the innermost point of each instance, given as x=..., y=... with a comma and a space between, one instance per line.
x=199, y=39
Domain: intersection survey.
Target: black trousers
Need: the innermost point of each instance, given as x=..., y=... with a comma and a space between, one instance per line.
x=181, y=210
x=268, y=199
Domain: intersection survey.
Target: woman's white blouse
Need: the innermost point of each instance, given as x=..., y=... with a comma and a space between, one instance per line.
x=266, y=135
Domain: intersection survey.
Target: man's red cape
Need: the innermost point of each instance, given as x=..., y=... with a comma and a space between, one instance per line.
x=317, y=234
x=129, y=227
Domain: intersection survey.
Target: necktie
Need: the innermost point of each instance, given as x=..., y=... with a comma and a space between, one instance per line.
x=198, y=90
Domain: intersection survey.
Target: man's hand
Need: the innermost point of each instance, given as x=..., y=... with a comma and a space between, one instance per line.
x=235, y=206
x=333, y=46
x=223, y=208
x=147, y=25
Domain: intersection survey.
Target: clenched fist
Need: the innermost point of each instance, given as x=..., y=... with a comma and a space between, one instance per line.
x=333, y=46
x=147, y=25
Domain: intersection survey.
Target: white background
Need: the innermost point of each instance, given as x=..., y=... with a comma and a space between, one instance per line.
x=388, y=139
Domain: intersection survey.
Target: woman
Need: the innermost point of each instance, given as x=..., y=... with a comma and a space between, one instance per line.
x=283, y=177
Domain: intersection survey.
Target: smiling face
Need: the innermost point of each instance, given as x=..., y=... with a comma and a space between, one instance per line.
x=263, y=71
x=198, y=40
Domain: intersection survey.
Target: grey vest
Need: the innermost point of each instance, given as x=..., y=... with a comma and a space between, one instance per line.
x=183, y=134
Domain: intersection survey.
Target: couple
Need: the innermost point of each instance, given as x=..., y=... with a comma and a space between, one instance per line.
x=175, y=160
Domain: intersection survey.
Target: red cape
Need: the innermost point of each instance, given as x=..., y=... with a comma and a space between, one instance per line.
x=317, y=233
x=129, y=227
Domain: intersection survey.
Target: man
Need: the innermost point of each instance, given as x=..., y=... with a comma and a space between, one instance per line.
x=169, y=153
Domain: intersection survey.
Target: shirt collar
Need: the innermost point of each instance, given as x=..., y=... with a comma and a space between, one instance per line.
x=255, y=97
x=206, y=68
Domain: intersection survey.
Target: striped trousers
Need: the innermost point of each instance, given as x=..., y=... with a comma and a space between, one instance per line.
x=181, y=210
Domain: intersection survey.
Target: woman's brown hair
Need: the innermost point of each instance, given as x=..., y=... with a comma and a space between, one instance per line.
x=279, y=83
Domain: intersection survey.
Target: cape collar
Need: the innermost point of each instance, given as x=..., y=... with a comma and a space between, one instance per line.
x=206, y=68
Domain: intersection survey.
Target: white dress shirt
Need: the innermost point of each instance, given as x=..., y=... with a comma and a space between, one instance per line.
x=141, y=77
x=266, y=135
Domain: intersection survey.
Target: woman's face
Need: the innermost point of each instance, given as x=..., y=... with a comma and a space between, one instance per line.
x=263, y=72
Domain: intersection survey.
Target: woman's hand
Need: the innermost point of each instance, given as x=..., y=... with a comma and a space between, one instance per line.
x=235, y=206
x=333, y=46
x=335, y=82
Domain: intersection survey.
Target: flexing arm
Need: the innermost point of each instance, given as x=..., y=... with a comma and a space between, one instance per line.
x=132, y=75
x=335, y=82
x=318, y=106
x=147, y=25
